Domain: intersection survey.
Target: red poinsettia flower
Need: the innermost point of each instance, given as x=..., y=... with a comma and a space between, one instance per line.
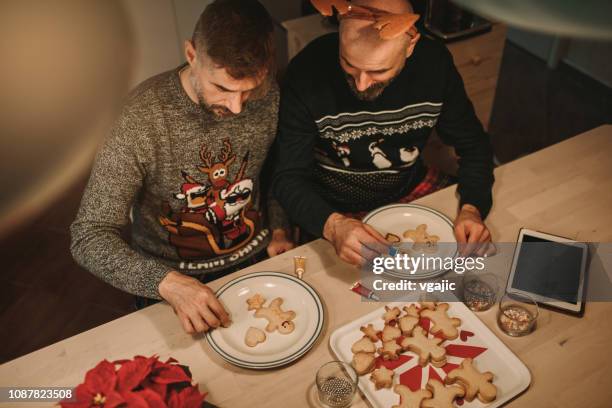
x=98, y=390
x=133, y=372
x=143, y=382
x=188, y=397
x=144, y=399
x=165, y=374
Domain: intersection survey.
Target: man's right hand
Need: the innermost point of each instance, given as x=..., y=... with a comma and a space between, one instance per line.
x=194, y=303
x=355, y=242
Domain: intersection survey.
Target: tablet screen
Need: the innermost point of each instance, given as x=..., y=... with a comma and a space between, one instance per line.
x=547, y=268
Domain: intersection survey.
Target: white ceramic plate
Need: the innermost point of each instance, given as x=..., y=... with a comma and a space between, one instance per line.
x=278, y=349
x=511, y=376
x=397, y=218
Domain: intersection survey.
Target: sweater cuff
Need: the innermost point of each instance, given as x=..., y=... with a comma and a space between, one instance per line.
x=317, y=223
x=157, y=273
x=277, y=219
x=482, y=202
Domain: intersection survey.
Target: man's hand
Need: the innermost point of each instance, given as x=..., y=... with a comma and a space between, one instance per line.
x=194, y=303
x=471, y=233
x=280, y=243
x=355, y=242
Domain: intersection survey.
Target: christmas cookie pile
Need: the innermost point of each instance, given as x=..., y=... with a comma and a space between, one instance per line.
x=402, y=333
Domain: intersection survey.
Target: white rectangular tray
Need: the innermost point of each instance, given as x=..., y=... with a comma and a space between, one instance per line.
x=511, y=376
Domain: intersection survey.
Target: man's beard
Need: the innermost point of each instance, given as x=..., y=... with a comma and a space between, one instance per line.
x=370, y=94
x=219, y=111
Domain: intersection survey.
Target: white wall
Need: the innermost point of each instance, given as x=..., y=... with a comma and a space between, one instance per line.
x=160, y=28
x=155, y=37
x=187, y=14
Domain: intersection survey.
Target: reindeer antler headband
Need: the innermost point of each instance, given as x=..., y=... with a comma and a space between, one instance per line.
x=389, y=25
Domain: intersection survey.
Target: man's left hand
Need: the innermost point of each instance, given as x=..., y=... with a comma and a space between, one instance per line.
x=472, y=234
x=280, y=243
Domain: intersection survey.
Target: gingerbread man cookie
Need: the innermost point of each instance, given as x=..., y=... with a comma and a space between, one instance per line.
x=443, y=397
x=409, y=398
x=412, y=310
x=391, y=333
x=422, y=240
x=442, y=323
x=426, y=348
x=392, y=238
x=363, y=345
x=428, y=304
x=255, y=302
x=390, y=350
x=407, y=324
x=277, y=318
x=382, y=378
x=475, y=383
x=370, y=332
x=391, y=314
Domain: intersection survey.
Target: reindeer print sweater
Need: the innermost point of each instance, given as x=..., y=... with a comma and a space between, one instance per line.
x=337, y=153
x=189, y=184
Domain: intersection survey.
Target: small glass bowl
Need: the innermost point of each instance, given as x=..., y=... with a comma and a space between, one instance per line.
x=480, y=290
x=337, y=384
x=517, y=314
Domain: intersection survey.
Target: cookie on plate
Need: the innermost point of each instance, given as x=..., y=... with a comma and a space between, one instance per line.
x=409, y=398
x=277, y=318
x=255, y=302
x=364, y=345
x=475, y=383
x=370, y=332
x=390, y=350
x=390, y=333
x=392, y=238
x=423, y=241
x=427, y=304
x=442, y=397
x=407, y=324
x=382, y=377
x=254, y=336
x=443, y=324
x=412, y=310
x=363, y=363
x=391, y=314
x=428, y=349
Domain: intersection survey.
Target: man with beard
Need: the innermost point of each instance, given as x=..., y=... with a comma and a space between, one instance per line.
x=356, y=112
x=183, y=162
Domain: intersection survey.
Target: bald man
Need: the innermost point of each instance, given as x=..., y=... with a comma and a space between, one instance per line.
x=355, y=114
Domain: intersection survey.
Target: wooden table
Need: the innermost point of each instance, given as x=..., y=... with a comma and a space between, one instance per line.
x=565, y=189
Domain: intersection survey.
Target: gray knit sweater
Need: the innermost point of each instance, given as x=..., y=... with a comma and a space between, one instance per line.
x=188, y=181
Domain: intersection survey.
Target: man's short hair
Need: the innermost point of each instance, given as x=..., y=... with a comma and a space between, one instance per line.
x=238, y=36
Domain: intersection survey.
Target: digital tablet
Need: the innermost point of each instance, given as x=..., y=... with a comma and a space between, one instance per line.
x=550, y=269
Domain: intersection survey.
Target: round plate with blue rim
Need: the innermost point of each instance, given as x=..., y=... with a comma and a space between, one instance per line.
x=396, y=219
x=278, y=349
